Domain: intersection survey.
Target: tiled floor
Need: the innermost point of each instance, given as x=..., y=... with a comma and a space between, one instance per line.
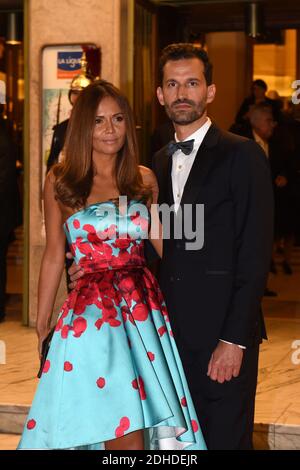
x=278, y=400
x=9, y=441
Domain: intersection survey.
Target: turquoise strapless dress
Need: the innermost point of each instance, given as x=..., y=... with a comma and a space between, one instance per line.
x=113, y=366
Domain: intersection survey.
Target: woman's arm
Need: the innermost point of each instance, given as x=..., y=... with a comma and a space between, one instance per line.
x=155, y=234
x=53, y=259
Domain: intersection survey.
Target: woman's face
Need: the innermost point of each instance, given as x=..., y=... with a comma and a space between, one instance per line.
x=110, y=128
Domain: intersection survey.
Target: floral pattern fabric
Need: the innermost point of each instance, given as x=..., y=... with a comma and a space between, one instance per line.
x=113, y=366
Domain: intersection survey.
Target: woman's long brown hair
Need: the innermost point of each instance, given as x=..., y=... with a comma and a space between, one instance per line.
x=74, y=175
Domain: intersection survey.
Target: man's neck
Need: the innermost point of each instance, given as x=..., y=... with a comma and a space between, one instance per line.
x=257, y=133
x=183, y=132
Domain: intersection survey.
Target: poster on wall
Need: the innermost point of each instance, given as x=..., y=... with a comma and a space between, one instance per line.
x=60, y=65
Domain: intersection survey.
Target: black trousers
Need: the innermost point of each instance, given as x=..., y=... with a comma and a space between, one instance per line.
x=4, y=242
x=225, y=411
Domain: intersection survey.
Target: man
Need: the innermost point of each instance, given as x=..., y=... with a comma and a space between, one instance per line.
x=78, y=83
x=214, y=294
x=258, y=95
x=10, y=209
x=278, y=145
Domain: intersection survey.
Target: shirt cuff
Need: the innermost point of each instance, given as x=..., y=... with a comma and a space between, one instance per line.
x=228, y=342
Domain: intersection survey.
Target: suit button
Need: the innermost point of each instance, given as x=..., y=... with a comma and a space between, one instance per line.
x=178, y=279
x=172, y=279
x=178, y=245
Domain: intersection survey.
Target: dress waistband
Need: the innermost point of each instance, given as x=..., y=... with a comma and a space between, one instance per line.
x=90, y=267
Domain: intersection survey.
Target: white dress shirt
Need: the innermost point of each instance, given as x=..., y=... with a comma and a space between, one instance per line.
x=263, y=143
x=182, y=164
x=181, y=167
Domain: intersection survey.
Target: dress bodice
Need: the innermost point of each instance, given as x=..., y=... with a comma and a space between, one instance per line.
x=105, y=236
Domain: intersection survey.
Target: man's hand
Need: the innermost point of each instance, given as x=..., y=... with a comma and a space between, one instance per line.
x=75, y=272
x=225, y=362
x=281, y=181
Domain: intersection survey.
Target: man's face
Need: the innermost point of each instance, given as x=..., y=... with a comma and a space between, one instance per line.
x=184, y=92
x=74, y=96
x=259, y=92
x=264, y=125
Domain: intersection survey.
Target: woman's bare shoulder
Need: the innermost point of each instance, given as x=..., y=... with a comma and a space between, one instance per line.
x=147, y=175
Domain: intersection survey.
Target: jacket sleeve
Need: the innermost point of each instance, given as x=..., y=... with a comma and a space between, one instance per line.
x=252, y=196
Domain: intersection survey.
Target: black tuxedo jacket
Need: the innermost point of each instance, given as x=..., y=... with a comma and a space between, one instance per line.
x=57, y=143
x=215, y=292
x=10, y=204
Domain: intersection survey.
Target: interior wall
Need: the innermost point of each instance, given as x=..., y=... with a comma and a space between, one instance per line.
x=277, y=64
x=58, y=22
x=228, y=52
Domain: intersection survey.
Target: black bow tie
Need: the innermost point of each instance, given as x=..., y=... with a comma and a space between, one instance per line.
x=186, y=146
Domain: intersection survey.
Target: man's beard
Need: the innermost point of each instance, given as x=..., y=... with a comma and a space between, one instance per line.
x=186, y=117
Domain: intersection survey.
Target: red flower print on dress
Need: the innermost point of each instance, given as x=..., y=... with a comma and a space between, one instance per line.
x=136, y=253
x=31, y=424
x=101, y=382
x=76, y=224
x=122, y=259
x=97, y=238
x=125, y=423
x=65, y=331
x=68, y=367
x=122, y=243
x=137, y=296
x=87, y=296
x=99, y=323
x=79, y=327
x=109, y=314
x=107, y=303
x=151, y=356
x=107, y=234
x=59, y=324
x=140, y=221
x=119, y=432
x=126, y=284
x=123, y=426
x=46, y=366
x=164, y=311
x=183, y=401
x=195, y=425
x=138, y=384
x=152, y=300
x=140, y=312
x=106, y=286
x=162, y=330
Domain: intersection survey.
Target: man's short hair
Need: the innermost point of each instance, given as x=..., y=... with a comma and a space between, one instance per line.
x=258, y=109
x=185, y=51
x=261, y=83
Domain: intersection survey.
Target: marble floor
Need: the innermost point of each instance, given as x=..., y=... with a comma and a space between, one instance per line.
x=277, y=417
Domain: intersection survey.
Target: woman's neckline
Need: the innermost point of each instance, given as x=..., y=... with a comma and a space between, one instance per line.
x=98, y=203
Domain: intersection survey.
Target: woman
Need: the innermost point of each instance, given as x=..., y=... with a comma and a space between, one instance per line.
x=113, y=378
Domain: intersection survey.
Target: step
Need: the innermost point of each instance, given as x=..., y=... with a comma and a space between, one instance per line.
x=9, y=441
x=266, y=436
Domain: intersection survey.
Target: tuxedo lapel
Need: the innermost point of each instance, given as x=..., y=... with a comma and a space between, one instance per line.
x=204, y=160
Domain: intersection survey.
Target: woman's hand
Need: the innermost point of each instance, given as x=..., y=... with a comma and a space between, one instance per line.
x=75, y=272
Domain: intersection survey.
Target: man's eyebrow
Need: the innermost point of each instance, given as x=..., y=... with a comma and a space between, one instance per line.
x=196, y=79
